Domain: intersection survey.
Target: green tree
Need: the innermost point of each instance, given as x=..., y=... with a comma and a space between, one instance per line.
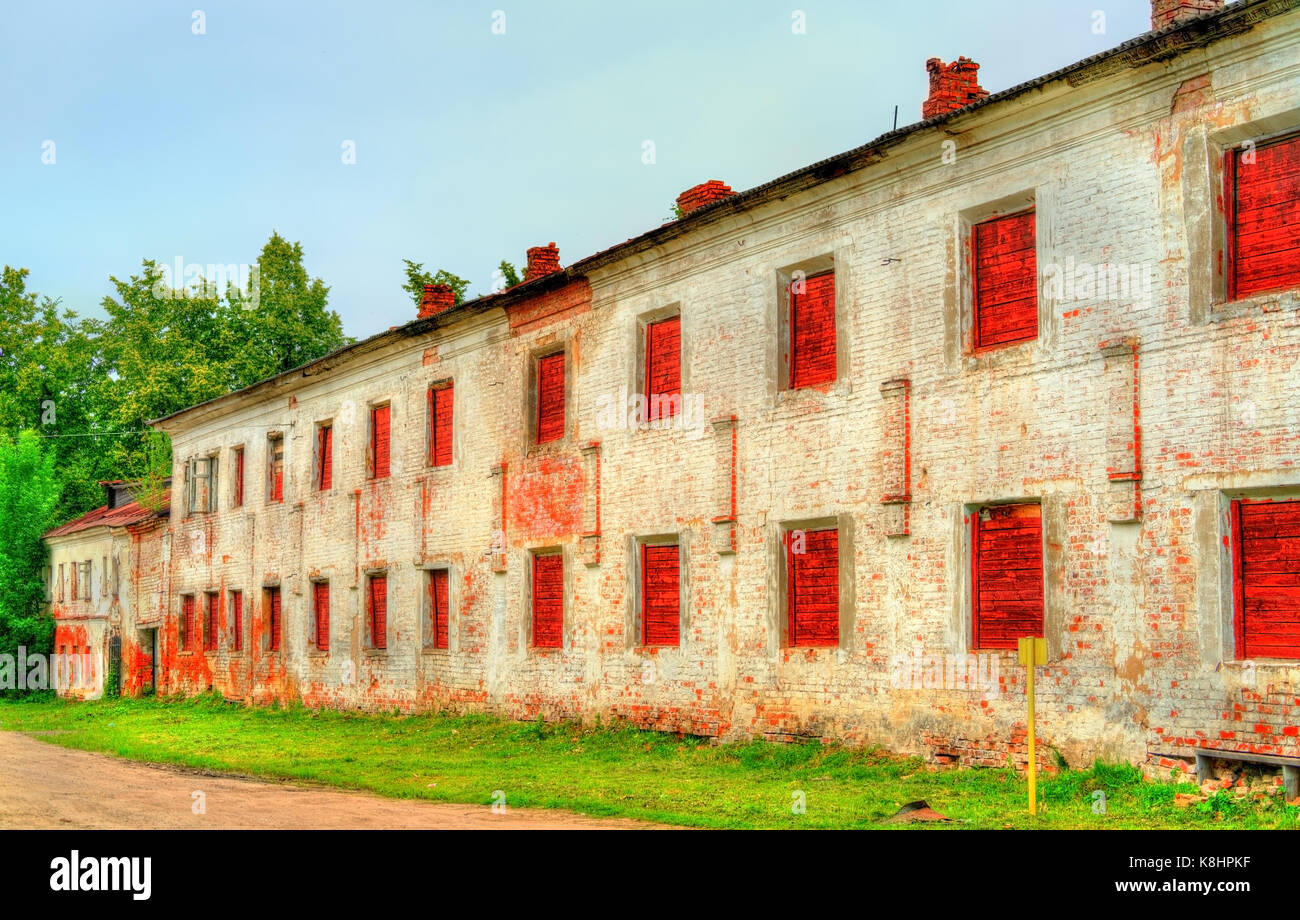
x=50, y=375
x=509, y=273
x=417, y=278
x=162, y=349
x=90, y=386
x=284, y=321
x=152, y=491
x=29, y=495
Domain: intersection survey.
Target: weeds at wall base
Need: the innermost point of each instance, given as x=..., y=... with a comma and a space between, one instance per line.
x=611, y=770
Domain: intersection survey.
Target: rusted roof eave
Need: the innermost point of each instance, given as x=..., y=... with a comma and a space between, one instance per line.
x=78, y=526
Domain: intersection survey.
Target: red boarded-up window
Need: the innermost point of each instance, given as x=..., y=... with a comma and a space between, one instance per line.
x=211, y=619
x=239, y=477
x=1006, y=280
x=550, y=398
x=377, y=610
x=273, y=618
x=320, y=591
x=660, y=595
x=441, y=399
x=663, y=368
x=380, y=417
x=812, y=330
x=1266, y=583
x=186, y=625
x=237, y=621
x=813, y=587
x=1008, y=575
x=275, y=469
x=548, y=601
x=1264, y=218
x=324, y=457
x=439, y=583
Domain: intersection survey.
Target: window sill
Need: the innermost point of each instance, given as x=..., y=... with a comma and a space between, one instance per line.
x=376, y=653
x=980, y=350
x=991, y=355
x=840, y=386
x=1256, y=303
x=317, y=654
x=663, y=423
x=653, y=650
x=808, y=653
x=436, y=652
x=559, y=446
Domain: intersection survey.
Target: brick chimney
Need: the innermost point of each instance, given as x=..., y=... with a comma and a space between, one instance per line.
x=542, y=261
x=437, y=297
x=1166, y=13
x=952, y=86
x=702, y=194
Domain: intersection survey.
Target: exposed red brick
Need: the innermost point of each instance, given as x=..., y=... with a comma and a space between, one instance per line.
x=437, y=297
x=1165, y=13
x=552, y=307
x=952, y=86
x=542, y=261
x=704, y=193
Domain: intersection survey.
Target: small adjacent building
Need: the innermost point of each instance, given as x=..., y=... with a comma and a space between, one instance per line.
x=107, y=593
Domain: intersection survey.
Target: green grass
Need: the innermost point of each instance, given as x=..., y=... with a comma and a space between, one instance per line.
x=610, y=771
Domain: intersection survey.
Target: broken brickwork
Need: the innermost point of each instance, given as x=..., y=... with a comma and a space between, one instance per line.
x=1126, y=397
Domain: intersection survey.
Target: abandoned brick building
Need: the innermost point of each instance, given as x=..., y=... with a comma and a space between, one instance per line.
x=104, y=581
x=1030, y=366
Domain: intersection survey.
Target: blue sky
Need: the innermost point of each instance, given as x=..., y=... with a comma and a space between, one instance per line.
x=470, y=146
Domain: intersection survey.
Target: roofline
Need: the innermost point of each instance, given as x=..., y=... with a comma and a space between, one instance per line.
x=499, y=300
x=1150, y=47
x=153, y=518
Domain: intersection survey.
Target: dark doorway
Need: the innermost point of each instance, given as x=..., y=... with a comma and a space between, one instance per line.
x=113, y=676
x=149, y=661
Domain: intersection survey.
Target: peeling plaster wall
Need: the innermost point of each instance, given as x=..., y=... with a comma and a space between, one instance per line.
x=1135, y=608
x=138, y=602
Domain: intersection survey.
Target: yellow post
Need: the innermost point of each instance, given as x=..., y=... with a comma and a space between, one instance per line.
x=1033, y=652
x=1033, y=758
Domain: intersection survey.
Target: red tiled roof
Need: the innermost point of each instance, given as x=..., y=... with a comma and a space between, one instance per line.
x=131, y=513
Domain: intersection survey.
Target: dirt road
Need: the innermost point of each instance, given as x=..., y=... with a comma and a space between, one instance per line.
x=46, y=786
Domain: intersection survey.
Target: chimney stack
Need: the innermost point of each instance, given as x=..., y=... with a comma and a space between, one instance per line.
x=702, y=194
x=437, y=298
x=952, y=86
x=542, y=261
x=1166, y=13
